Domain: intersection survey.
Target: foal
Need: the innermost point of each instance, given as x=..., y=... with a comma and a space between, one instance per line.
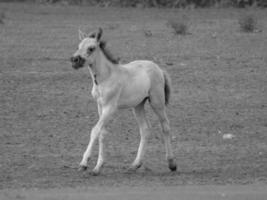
x=117, y=86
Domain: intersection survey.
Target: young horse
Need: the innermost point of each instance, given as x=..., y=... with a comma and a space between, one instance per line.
x=117, y=86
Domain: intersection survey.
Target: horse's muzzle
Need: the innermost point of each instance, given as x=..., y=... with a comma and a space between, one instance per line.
x=77, y=62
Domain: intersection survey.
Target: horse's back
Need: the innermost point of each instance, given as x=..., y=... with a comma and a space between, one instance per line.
x=146, y=68
x=143, y=66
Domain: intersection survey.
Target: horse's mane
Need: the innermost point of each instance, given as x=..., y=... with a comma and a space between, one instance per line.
x=107, y=53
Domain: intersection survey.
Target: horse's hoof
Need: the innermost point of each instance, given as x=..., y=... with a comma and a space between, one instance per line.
x=95, y=172
x=172, y=165
x=133, y=168
x=130, y=170
x=173, y=168
x=82, y=168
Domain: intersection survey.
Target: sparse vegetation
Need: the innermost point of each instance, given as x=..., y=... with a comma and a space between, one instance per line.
x=248, y=23
x=159, y=3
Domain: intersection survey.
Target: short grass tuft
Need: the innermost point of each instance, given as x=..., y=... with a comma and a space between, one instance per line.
x=2, y=17
x=248, y=23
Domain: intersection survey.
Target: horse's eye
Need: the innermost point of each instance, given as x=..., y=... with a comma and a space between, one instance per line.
x=90, y=50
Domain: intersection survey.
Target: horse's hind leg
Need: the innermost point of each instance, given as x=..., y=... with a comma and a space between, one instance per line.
x=161, y=113
x=143, y=123
x=158, y=104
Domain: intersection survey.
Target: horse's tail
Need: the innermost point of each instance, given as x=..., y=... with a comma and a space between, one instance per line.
x=167, y=87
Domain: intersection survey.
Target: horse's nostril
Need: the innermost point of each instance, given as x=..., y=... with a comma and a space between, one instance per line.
x=75, y=59
x=72, y=59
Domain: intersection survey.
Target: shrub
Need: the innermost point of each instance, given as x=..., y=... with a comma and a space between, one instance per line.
x=248, y=23
x=178, y=27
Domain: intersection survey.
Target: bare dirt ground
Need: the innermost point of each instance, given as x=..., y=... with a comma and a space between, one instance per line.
x=219, y=87
x=197, y=192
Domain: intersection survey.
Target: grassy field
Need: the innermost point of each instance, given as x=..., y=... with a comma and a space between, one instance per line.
x=219, y=77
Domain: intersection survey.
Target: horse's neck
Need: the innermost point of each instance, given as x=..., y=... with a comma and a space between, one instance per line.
x=102, y=68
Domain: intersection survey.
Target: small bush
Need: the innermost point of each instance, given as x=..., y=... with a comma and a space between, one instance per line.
x=248, y=23
x=2, y=17
x=148, y=33
x=179, y=27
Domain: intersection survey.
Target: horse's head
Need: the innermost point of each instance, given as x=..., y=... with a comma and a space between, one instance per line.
x=87, y=48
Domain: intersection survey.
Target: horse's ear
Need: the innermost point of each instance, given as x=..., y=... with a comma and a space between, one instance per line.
x=96, y=34
x=92, y=35
x=82, y=35
x=99, y=34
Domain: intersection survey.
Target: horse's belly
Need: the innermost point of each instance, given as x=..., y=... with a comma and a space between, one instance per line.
x=134, y=92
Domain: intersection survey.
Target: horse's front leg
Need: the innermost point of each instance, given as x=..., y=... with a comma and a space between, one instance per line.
x=98, y=132
x=143, y=124
x=101, y=153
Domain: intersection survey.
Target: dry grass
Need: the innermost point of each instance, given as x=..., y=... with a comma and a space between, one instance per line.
x=47, y=111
